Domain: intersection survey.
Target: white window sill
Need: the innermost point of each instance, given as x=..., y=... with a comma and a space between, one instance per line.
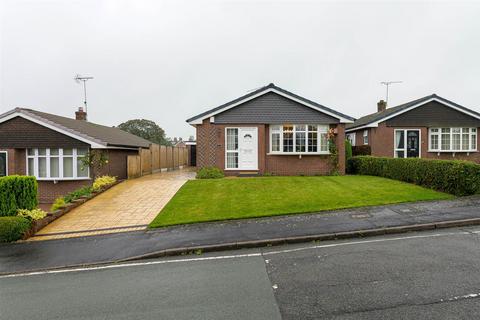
x=238, y=169
x=298, y=153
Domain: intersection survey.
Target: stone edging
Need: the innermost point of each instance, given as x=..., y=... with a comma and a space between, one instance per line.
x=37, y=225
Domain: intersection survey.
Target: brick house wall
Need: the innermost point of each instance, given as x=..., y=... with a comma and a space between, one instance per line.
x=211, y=152
x=381, y=140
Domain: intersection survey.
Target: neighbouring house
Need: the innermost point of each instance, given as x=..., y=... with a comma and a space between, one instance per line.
x=270, y=131
x=51, y=147
x=429, y=127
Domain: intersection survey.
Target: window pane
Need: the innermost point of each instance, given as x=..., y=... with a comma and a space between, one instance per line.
x=275, y=141
x=42, y=152
x=312, y=141
x=42, y=167
x=287, y=138
x=68, y=167
x=456, y=140
x=81, y=151
x=324, y=142
x=68, y=152
x=54, y=152
x=465, y=141
x=82, y=171
x=54, y=167
x=232, y=139
x=232, y=160
x=434, y=142
x=31, y=166
x=3, y=164
x=31, y=152
x=445, y=140
x=399, y=139
x=300, y=141
x=474, y=141
x=300, y=127
x=400, y=154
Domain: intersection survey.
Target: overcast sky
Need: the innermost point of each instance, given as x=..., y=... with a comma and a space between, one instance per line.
x=170, y=60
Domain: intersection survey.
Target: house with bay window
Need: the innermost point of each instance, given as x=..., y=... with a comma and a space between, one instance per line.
x=51, y=148
x=430, y=127
x=270, y=131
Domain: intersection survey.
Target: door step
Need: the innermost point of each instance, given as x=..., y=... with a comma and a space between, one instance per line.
x=248, y=174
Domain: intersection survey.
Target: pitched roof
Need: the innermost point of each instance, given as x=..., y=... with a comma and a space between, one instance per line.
x=372, y=119
x=95, y=134
x=269, y=88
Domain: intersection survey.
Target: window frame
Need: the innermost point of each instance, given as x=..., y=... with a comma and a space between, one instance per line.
x=60, y=157
x=366, y=138
x=395, y=149
x=472, y=131
x=279, y=129
x=237, y=151
x=352, y=137
x=6, y=161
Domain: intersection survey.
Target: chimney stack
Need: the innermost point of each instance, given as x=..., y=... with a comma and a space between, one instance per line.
x=381, y=105
x=80, y=114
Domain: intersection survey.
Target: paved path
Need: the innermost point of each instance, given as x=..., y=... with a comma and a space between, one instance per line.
x=426, y=275
x=34, y=255
x=130, y=205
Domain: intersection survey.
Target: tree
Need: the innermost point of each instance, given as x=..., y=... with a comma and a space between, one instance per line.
x=146, y=129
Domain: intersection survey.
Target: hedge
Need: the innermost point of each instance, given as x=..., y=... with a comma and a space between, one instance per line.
x=364, y=150
x=17, y=192
x=455, y=177
x=210, y=173
x=13, y=228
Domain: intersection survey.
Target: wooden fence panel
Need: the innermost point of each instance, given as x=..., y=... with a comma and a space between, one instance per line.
x=163, y=157
x=170, y=157
x=134, y=169
x=146, y=157
x=175, y=157
x=155, y=150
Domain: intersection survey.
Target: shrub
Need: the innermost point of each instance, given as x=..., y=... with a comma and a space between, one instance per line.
x=102, y=182
x=455, y=177
x=348, y=150
x=364, y=150
x=58, y=204
x=74, y=195
x=17, y=192
x=35, y=214
x=210, y=173
x=13, y=228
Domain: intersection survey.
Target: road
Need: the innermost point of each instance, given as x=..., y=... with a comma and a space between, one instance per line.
x=428, y=275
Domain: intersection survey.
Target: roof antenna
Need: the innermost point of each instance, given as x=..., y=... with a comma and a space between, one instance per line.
x=79, y=78
x=387, y=84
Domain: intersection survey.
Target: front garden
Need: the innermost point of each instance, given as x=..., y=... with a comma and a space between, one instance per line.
x=237, y=198
x=19, y=214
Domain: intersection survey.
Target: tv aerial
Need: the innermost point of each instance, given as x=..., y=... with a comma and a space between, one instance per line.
x=78, y=78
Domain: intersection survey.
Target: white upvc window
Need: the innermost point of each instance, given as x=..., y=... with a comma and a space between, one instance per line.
x=3, y=163
x=232, y=148
x=299, y=139
x=452, y=139
x=57, y=163
x=365, y=136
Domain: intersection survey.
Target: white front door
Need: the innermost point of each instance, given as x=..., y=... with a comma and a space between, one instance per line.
x=241, y=148
x=248, y=149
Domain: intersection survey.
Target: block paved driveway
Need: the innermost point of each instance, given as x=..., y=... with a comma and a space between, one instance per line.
x=128, y=206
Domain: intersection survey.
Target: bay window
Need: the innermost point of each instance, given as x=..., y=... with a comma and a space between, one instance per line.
x=57, y=163
x=452, y=139
x=299, y=139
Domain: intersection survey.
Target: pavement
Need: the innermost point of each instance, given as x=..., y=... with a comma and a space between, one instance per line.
x=128, y=206
x=39, y=255
x=420, y=275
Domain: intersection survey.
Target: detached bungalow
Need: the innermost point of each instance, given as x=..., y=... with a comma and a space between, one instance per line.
x=269, y=130
x=51, y=147
x=429, y=127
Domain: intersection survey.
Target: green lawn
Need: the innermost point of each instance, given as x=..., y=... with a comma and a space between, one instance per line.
x=221, y=199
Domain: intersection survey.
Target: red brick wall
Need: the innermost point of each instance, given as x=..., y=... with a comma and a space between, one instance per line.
x=48, y=191
x=211, y=152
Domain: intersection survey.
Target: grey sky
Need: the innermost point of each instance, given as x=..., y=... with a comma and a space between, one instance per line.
x=169, y=60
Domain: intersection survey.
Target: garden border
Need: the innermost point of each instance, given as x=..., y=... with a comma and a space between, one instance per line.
x=37, y=225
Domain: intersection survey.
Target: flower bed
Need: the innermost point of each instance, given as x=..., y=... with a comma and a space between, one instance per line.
x=37, y=225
